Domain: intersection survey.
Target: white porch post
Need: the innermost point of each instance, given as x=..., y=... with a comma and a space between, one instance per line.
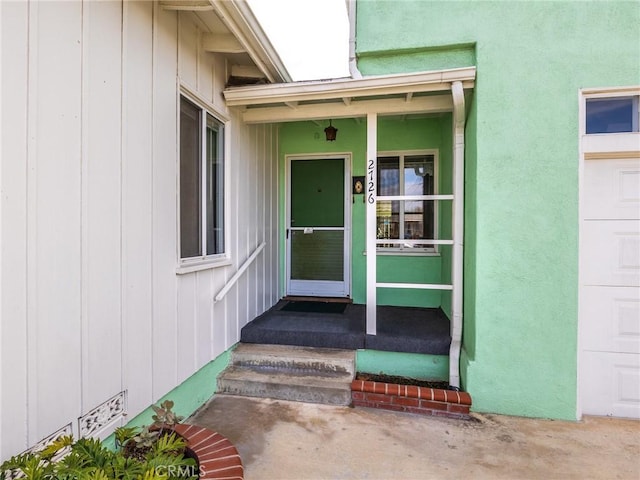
x=371, y=228
x=458, y=233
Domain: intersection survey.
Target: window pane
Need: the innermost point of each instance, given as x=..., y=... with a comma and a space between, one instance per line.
x=388, y=212
x=215, y=187
x=317, y=256
x=190, y=185
x=388, y=176
x=406, y=219
x=418, y=180
x=317, y=182
x=388, y=219
x=611, y=115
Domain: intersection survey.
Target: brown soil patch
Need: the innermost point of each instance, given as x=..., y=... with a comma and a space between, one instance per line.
x=372, y=377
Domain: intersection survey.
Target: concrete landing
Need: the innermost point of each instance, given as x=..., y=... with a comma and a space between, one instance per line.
x=302, y=374
x=400, y=329
x=281, y=440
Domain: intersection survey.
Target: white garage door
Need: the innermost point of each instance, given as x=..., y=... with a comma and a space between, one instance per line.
x=610, y=288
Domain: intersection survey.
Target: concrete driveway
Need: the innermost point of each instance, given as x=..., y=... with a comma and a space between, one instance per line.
x=289, y=440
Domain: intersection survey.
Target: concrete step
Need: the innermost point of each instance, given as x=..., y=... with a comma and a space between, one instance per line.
x=298, y=387
x=293, y=357
x=302, y=374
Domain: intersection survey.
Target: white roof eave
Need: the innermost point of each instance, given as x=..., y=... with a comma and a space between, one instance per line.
x=242, y=23
x=331, y=90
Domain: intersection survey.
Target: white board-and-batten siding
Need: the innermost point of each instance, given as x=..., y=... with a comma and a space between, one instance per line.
x=91, y=304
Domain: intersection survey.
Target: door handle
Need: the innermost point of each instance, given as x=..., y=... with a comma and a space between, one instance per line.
x=287, y=234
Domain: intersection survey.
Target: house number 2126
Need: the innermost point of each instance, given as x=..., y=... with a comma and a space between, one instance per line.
x=371, y=187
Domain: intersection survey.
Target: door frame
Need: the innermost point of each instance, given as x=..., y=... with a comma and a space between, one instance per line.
x=347, y=158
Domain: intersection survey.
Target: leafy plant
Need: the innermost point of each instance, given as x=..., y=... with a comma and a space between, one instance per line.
x=141, y=454
x=146, y=438
x=165, y=417
x=124, y=434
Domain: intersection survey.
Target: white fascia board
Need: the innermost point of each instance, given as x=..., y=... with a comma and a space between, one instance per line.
x=242, y=23
x=611, y=91
x=340, y=88
x=320, y=111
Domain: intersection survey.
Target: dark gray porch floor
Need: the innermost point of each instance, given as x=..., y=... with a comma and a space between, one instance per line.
x=400, y=329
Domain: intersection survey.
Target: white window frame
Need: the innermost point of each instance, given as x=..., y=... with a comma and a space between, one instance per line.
x=421, y=251
x=203, y=262
x=635, y=120
x=598, y=144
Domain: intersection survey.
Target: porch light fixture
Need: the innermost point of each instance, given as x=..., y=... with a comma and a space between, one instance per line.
x=330, y=132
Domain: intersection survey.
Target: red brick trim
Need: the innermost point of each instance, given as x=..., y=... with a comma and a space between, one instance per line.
x=217, y=458
x=408, y=398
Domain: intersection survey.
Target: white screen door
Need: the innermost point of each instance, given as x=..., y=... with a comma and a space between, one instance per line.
x=317, y=227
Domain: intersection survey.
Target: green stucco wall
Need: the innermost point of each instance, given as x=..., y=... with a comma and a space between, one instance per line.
x=188, y=396
x=412, y=365
x=394, y=133
x=521, y=240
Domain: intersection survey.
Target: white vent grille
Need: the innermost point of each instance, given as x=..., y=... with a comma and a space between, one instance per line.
x=103, y=415
x=65, y=431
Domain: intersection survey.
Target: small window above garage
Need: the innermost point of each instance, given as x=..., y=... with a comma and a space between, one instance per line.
x=612, y=115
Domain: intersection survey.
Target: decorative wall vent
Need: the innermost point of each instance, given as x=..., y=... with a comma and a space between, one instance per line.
x=65, y=431
x=103, y=415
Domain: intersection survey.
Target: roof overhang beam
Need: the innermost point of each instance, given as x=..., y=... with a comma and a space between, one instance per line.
x=221, y=43
x=188, y=6
x=319, y=111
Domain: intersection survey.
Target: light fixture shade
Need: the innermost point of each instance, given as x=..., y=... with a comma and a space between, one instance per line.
x=330, y=132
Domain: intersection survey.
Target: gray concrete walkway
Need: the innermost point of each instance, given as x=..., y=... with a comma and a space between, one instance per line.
x=289, y=440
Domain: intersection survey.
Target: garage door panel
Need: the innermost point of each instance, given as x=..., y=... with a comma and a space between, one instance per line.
x=610, y=384
x=611, y=319
x=610, y=287
x=611, y=252
x=613, y=188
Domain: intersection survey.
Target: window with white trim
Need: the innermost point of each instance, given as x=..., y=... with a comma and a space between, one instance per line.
x=612, y=114
x=401, y=174
x=201, y=215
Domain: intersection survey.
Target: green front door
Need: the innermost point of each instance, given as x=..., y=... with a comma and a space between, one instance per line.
x=317, y=237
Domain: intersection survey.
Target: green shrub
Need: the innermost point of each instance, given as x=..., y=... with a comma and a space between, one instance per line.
x=141, y=454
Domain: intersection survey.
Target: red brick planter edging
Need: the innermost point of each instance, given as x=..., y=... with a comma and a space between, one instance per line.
x=217, y=457
x=409, y=398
